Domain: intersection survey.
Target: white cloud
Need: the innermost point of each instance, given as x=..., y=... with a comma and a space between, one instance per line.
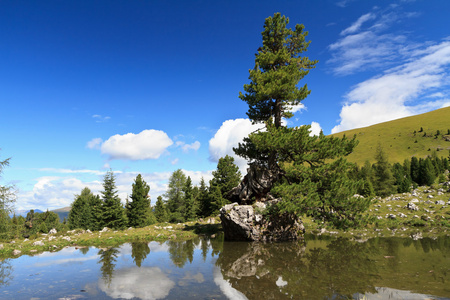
x=52, y=192
x=315, y=129
x=365, y=44
x=144, y=283
x=148, y=144
x=69, y=171
x=186, y=147
x=94, y=143
x=296, y=108
x=100, y=118
x=357, y=25
x=401, y=91
x=229, y=135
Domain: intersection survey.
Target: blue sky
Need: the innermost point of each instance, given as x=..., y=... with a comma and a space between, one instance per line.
x=152, y=86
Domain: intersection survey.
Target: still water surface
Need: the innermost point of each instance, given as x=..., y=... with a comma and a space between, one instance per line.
x=382, y=268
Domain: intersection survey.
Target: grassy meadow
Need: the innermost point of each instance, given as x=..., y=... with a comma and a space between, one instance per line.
x=403, y=138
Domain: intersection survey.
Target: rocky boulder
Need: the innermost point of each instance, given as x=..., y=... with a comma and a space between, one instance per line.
x=248, y=223
x=255, y=185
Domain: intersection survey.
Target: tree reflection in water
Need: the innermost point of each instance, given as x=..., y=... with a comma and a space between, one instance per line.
x=288, y=270
x=139, y=252
x=108, y=259
x=6, y=271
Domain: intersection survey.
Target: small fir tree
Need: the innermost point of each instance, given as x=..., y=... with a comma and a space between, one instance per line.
x=161, y=210
x=384, y=181
x=113, y=213
x=138, y=210
x=190, y=211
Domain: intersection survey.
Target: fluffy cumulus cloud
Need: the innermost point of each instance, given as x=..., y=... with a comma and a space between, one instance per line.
x=229, y=135
x=143, y=283
x=413, y=77
x=53, y=192
x=315, y=129
x=148, y=144
x=186, y=147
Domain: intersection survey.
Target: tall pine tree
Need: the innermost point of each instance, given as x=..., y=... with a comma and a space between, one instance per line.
x=309, y=173
x=175, y=196
x=138, y=210
x=80, y=215
x=113, y=213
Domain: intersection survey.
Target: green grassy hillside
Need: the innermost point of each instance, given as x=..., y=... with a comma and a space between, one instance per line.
x=403, y=138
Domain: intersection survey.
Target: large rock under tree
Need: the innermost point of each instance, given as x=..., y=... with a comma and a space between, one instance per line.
x=254, y=187
x=248, y=223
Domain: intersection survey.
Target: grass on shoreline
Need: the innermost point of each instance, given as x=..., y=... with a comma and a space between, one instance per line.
x=390, y=216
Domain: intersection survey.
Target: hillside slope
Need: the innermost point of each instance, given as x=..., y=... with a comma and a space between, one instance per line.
x=403, y=138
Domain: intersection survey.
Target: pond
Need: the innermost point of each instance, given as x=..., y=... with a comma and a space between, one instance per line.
x=321, y=268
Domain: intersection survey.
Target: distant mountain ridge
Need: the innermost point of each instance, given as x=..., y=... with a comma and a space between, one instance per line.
x=403, y=138
x=61, y=212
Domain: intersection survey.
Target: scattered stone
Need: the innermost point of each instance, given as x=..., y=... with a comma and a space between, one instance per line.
x=38, y=243
x=105, y=229
x=33, y=250
x=16, y=252
x=391, y=216
x=130, y=228
x=67, y=238
x=440, y=193
x=211, y=221
x=430, y=196
x=416, y=236
x=416, y=217
x=52, y=231
x=414, y=200
x=402, y=215
x=439, y=202
x=379, y=217
x=412, y=206
x=1, y=246
x=88, y=231
x=428, y=202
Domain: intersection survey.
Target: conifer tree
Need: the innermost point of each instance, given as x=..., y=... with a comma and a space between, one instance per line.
x=138, y=210
x=190, y=210
x=427, y=172
x=204, y=199
x=95, y=205
x=414, y=169
x=279, y=67
x=113, y=213
x=7, y=200
x=384, y=181
x=309, y=173
x=80, y=215
x=175, y=196
x=226, y=176
x=161, y=210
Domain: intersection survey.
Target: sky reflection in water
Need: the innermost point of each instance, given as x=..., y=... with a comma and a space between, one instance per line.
x=385, y=268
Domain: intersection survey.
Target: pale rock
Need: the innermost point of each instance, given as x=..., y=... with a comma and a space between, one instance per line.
x=38, y=243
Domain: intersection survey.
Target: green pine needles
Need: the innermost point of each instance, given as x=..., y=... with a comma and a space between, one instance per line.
x=312, y=176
